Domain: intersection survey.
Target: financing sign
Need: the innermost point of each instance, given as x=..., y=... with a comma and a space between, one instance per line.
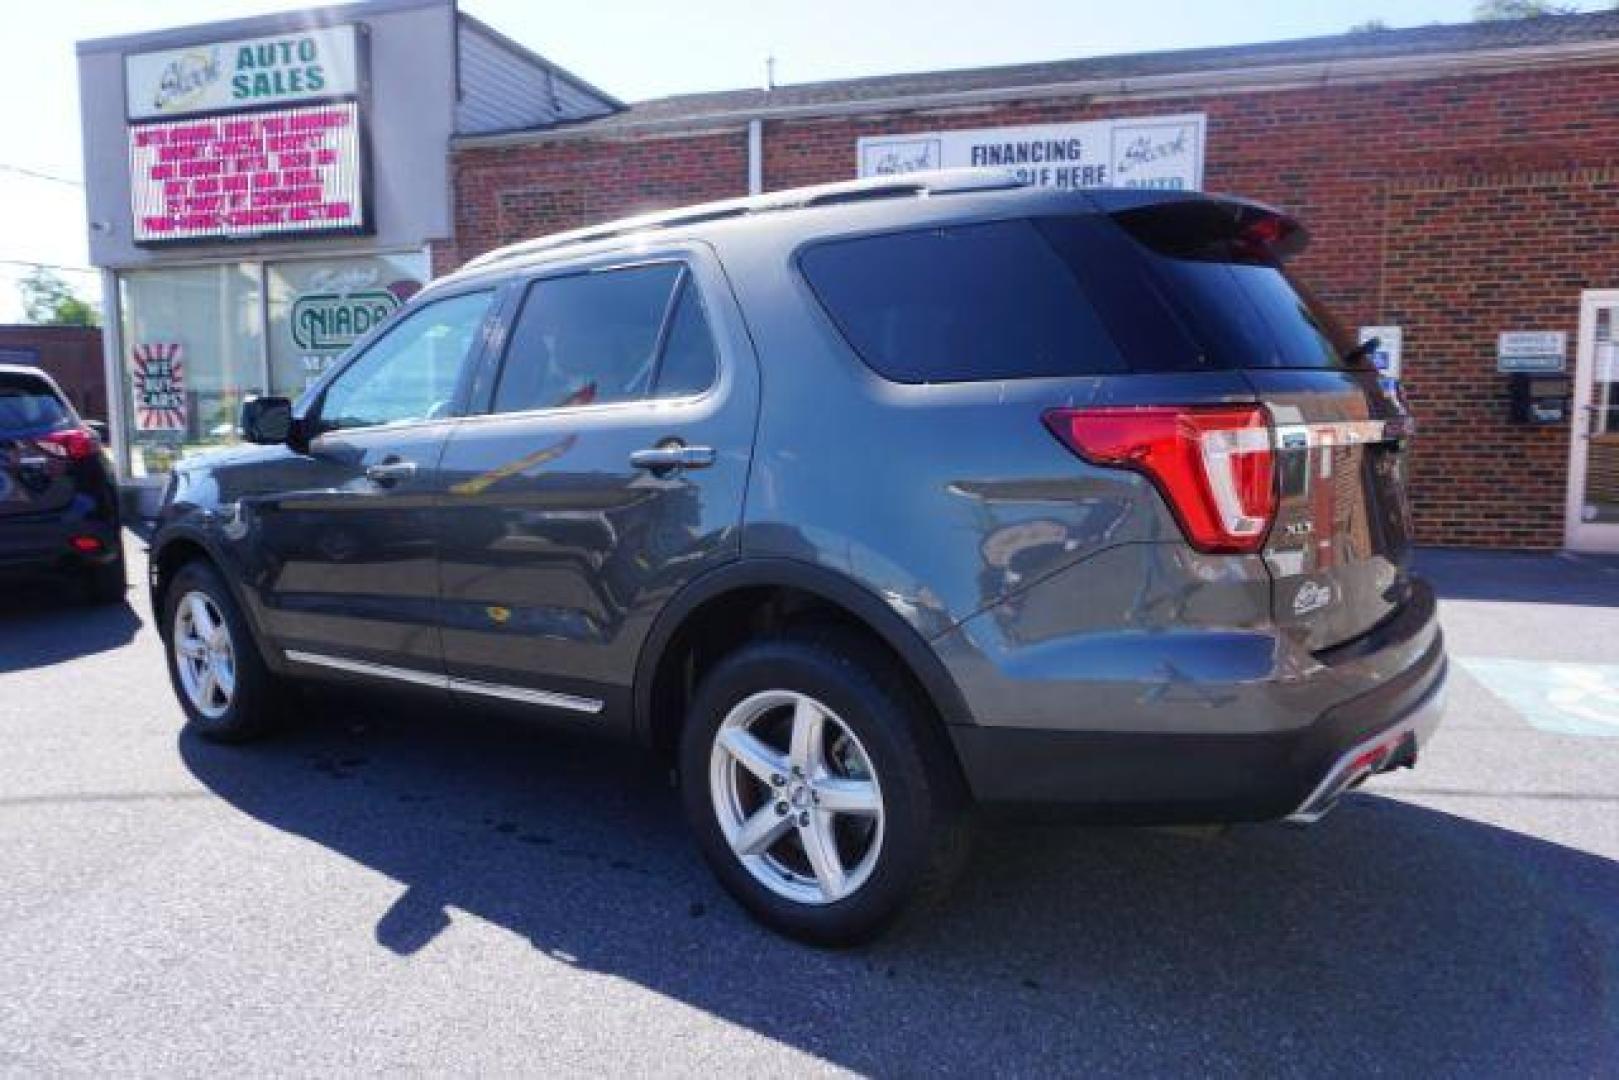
x=1159, y=152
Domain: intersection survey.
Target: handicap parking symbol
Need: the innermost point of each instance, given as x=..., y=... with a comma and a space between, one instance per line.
x=1570, y=699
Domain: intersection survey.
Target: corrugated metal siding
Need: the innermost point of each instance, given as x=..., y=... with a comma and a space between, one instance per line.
x=503, y=91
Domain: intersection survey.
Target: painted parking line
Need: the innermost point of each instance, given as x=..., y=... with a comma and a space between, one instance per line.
x=1570, y=699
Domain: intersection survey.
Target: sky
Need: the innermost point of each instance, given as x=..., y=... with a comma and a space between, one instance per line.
x=633, y=49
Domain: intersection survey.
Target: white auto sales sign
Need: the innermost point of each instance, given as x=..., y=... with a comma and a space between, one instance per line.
x=281, y=69
x=1162, y=152
x=253, y=137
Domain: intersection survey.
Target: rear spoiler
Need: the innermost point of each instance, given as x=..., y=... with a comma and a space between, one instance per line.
x=1188, y=223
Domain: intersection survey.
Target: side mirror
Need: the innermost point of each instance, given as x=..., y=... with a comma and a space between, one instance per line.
x=266, y=420
x=100, y=428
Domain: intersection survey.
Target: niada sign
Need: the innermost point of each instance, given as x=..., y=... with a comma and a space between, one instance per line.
x=306, y=65
x=337, y=306
x=327, y=322
x=1163, y=152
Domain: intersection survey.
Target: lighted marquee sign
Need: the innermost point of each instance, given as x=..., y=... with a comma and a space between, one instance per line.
x=241, y=175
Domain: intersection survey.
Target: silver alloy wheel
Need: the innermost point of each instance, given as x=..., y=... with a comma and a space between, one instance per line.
x=204, y=655
x=796, y=797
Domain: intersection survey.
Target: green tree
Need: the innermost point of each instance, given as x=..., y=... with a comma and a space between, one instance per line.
x=50, y=301
x=1492, y=10
x=1370, y=26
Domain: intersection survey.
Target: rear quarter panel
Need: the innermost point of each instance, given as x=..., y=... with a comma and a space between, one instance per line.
x=943, y=499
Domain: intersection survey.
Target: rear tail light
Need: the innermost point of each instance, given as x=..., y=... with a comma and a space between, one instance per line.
x=1213, y=465
x=86, y=545
x=74, y=444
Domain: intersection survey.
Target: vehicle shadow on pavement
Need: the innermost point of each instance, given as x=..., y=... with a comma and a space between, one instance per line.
x=50, y=623
x=1541, y=577
x=1389, y=938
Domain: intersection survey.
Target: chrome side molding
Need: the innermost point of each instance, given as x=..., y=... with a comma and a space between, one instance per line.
x=521, y=694
x=362, y=667
x=526, y=696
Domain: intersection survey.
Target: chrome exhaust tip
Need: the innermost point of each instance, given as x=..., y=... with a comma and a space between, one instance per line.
x=1395, y=747
x=1393, y=750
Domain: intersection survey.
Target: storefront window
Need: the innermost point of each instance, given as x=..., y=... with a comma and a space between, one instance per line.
x=194, y=340
x=319, y=307
x=192, y=349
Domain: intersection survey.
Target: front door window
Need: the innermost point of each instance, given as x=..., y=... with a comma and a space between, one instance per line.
x=411, y=372
x=318, y=308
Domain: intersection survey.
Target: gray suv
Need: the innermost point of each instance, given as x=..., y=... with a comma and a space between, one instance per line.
x=869, y=505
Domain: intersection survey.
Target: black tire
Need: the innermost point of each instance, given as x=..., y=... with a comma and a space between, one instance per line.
x=254, y=705
x=108, y=583
x=925, y=831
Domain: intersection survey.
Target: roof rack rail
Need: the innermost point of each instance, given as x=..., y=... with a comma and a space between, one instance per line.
x=913, y=184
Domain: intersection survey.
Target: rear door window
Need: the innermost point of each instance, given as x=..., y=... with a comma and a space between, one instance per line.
x=960, y=303
x=587, y=339
x=27, y=403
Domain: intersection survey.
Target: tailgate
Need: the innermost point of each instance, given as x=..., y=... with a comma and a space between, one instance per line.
x=1340, y=548
x=32, y=479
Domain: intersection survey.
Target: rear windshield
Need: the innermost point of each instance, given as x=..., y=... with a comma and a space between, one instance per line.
x=1244, y=308
x=1165, y=287
x=960, y=303
x=27, y=403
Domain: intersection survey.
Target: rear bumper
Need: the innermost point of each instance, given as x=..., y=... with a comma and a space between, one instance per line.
x=1394, y=747
x=46, y=543
x=1143, y=777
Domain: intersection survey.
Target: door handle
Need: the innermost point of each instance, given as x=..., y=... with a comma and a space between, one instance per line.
x=389, y=473
x=673, y=455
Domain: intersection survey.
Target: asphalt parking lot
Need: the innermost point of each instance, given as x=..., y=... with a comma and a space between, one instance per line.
x=383, y=890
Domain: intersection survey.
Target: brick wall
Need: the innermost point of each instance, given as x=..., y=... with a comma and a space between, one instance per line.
x=1456, y=207
x=72, y=355
x=513, y=193
x=1465, y=260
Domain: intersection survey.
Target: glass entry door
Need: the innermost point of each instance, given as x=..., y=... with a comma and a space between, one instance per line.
x=1593, y=495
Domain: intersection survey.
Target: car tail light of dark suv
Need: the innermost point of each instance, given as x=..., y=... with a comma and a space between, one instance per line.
x=1214, y=465
x=74, y=444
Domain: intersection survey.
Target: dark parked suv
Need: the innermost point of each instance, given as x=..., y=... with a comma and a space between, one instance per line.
x=58, y=504
x=866, y=503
